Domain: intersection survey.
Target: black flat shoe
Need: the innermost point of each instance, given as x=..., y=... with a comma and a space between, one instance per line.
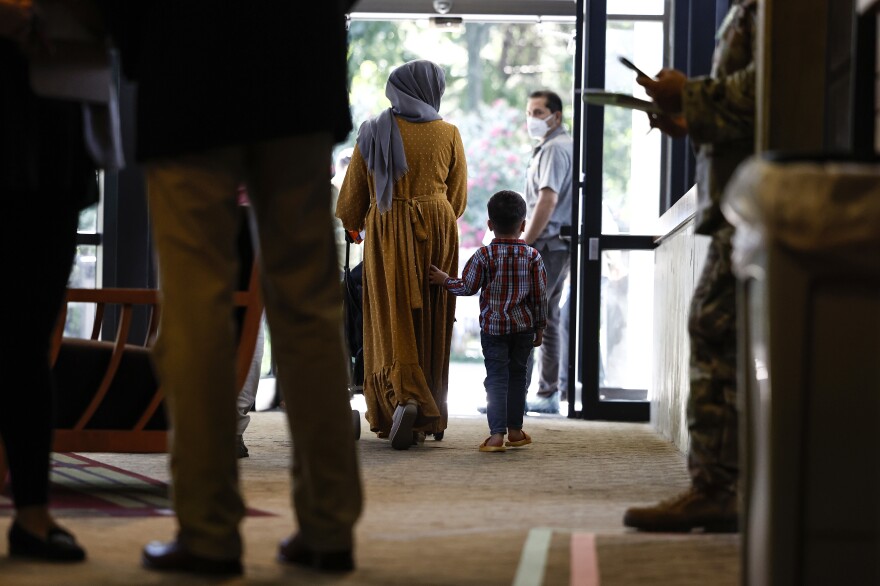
x=242, y=448
x=173, y=557
x=59, y=545
x=293, y=551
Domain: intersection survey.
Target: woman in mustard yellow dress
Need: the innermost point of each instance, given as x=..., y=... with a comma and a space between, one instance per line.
x=406, y=186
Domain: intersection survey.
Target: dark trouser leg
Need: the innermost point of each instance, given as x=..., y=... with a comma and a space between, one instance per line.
x=496, y=357
x=520, y=348
x=27, y=418
x=711, y=408
x=556, y=264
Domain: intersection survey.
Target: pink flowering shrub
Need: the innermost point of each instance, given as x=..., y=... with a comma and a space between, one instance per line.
x=497, y=149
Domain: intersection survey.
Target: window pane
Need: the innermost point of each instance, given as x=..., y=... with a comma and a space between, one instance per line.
x=88, y=220
x=626, y=324
x=84, y=272
x=635, y=7
x=83, y=275
x=631, y=159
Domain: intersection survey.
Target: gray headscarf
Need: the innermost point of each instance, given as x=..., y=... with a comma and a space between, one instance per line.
x=414, y=89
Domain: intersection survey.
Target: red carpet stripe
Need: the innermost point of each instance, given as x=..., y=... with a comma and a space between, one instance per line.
x=584, y=561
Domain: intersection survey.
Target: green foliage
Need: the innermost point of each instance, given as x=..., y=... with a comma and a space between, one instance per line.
x=497, y=148
x=504, y=61
x=617, y=154
x=490, y=70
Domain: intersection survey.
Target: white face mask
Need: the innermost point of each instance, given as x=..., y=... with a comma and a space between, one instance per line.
x=537, y=127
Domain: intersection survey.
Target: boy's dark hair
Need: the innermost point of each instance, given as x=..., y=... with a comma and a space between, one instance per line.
x=507, y=210
x=554, y=102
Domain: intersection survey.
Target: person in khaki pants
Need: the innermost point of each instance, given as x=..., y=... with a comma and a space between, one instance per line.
x=225, y=99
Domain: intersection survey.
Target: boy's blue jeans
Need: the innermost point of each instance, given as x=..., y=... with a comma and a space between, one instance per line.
x=506, y=357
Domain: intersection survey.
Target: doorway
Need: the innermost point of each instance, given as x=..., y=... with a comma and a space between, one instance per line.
x=491, y=65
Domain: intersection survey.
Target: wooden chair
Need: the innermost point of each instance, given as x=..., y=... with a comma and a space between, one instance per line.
x=118, y=402
x=109, y=398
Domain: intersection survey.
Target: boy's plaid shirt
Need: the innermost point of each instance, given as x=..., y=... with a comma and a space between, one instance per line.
x=511, y=275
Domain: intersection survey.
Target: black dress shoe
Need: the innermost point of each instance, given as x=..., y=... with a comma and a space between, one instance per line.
x=59, y=545
x=173, y=557
x=293, y=551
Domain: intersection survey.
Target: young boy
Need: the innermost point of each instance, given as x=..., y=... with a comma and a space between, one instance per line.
x=513, y=313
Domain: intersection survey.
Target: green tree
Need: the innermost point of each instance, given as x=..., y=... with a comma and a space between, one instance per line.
x=617, y=154
x=490, y=70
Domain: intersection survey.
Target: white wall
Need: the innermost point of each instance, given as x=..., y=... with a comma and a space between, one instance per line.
x=678, y=261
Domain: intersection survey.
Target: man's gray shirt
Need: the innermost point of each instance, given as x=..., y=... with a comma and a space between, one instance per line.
x=550, y=167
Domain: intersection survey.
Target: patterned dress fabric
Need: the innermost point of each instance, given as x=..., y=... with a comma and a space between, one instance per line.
x=408, y=323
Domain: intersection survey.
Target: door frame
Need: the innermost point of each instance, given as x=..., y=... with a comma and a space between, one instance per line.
x=587, y=241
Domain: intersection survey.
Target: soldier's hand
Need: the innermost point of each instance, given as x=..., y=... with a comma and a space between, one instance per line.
x=665, y=89
x=674, y=126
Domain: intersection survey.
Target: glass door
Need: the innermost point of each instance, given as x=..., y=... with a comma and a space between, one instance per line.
x=619, y=182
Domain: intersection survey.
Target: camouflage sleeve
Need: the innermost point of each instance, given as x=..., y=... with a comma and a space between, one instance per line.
x=721, y=110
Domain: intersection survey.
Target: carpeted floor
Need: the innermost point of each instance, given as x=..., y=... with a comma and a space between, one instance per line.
x=443, y=514
x=82, y=487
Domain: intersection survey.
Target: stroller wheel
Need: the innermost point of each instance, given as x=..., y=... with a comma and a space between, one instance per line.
x=356, y=422
x=438, y=436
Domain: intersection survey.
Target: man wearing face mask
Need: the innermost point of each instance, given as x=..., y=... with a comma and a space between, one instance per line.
x=548, y=195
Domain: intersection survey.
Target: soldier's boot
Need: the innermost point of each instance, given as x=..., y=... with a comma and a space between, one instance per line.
x=713, y=512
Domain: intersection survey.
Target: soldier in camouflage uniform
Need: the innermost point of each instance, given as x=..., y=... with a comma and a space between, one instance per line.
x=718, y=113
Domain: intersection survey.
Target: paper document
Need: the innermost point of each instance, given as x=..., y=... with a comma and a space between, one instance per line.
x=603, y=98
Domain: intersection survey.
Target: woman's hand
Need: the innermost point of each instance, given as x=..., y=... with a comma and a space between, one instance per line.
x=539, y=338
x=665, y=89
x=436, y=276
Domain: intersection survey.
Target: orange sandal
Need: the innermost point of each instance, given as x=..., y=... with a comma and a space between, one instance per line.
x=526, y=440
x=485, y=447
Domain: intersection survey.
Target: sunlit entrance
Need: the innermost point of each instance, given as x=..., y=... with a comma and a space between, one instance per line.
x=491, y=67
